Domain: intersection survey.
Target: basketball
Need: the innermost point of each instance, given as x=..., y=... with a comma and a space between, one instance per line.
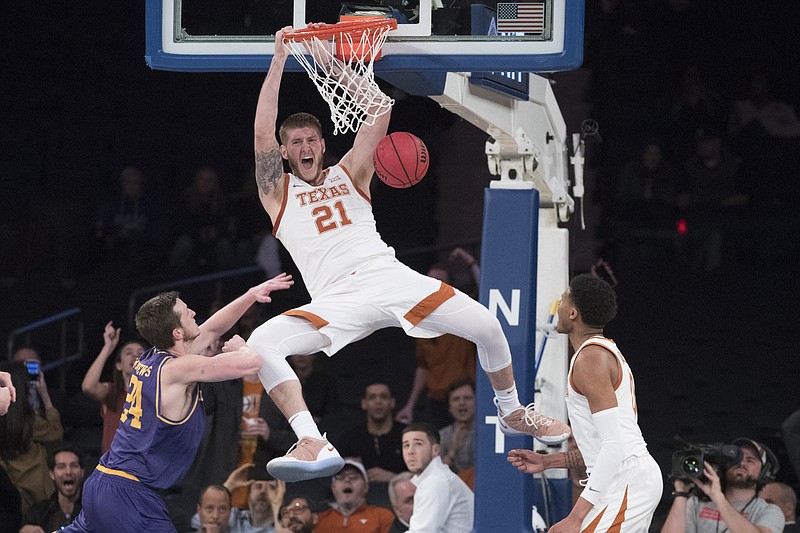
x=401, y=159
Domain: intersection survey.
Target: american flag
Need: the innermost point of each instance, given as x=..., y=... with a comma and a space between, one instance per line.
x=526, y=17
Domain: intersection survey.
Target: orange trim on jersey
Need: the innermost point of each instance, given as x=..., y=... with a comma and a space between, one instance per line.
x=429, y=304
x=120, y=473
x=616, y=525
x=572, y=384
x=283, y=204
x=362, y=193
x=316, y=320
x=594, y=343
x=593, y=524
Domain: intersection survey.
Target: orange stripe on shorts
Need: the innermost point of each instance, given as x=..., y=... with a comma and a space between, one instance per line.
x=429, y=304
x=316, y=321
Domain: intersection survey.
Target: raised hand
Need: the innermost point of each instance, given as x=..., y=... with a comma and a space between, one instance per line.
x=712, y=487
x=405, y=415
x=281, y=47
x=256, y=426
x=111, y=335
x=460, y=254
x=279, y=282
x=238, y=478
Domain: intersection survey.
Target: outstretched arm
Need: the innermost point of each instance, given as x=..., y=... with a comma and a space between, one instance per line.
x=236, y=361
x=358, y=161
x=269, y=163
x=180, y=374
x=224, y=319
x=532, y=462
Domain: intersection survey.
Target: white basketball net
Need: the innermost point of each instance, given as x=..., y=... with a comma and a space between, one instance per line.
x=346, y=80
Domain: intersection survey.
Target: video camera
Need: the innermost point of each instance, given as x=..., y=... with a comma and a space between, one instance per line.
x=688, y=464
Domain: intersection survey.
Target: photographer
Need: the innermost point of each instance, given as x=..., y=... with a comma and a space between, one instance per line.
x=727, y=502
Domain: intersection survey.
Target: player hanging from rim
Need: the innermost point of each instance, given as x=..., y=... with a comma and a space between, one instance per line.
x=357, y=286
x=624, y=484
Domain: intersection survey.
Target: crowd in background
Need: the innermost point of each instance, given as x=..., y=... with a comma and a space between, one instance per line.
x=698, y=164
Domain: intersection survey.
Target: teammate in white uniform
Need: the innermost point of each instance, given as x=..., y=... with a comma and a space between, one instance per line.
x=324, y=218
x=624, y=484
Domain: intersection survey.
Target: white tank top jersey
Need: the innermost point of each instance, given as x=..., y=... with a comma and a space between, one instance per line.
x=580, y=416
x=328, y=229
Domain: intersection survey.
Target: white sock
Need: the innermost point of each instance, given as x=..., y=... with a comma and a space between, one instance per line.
x=303, y=425
x=507, y=399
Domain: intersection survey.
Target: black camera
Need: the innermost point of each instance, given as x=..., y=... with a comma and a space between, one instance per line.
x=688, y=463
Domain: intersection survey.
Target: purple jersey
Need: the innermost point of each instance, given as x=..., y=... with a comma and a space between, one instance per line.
x=149, y=446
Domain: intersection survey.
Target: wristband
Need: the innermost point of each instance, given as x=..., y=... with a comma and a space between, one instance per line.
x=680, y=494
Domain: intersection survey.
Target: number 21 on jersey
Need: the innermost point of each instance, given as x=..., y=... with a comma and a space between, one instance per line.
x=326, y=219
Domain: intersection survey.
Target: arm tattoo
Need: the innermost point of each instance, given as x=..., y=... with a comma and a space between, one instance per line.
x=573, y=459
x=269, y=169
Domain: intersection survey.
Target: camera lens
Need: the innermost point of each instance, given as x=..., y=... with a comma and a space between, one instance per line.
x=692, y=466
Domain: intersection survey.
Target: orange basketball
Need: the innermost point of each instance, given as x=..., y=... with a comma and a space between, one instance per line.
x=401, y=159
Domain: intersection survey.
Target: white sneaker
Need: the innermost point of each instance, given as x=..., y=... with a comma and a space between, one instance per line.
x=524, y=420
x=309, y=458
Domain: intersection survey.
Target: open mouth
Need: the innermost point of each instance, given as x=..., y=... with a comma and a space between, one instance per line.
x=307, y=162
x=348, y=490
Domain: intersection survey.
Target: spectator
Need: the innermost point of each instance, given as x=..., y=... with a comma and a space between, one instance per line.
x=111, y=394
x=442, y=360
x=214, y=510
x=297, y=515
x=47, y=421
x=696, y=106
x=264, y=498
x=443, y=502
x=204, y=231
x=457, y=439
x=350, y=511
x=127, y=226
x=730, y=498
x=8, y=393
x=711, y=197
x=644, y=208
x=762, y=111
x=401, y=494
x=22, y=453
x=376, y=443
x=783, y=496
x=66, y=470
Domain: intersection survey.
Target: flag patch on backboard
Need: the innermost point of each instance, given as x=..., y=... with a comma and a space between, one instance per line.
x=527, y=17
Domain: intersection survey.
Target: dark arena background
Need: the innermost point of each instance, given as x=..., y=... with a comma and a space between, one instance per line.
x=707, y=278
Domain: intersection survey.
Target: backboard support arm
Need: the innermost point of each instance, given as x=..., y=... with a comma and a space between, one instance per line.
x=527, y=145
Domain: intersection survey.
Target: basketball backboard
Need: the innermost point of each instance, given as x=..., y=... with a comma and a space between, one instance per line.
x=233, y=35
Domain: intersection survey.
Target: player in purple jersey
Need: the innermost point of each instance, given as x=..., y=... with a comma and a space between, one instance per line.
x=162, y=422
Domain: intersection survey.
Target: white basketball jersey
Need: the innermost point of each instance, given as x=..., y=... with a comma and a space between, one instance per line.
x=580, y=416
x=328, y=229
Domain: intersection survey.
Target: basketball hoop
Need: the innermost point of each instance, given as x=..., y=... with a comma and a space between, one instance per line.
x=339, y=58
